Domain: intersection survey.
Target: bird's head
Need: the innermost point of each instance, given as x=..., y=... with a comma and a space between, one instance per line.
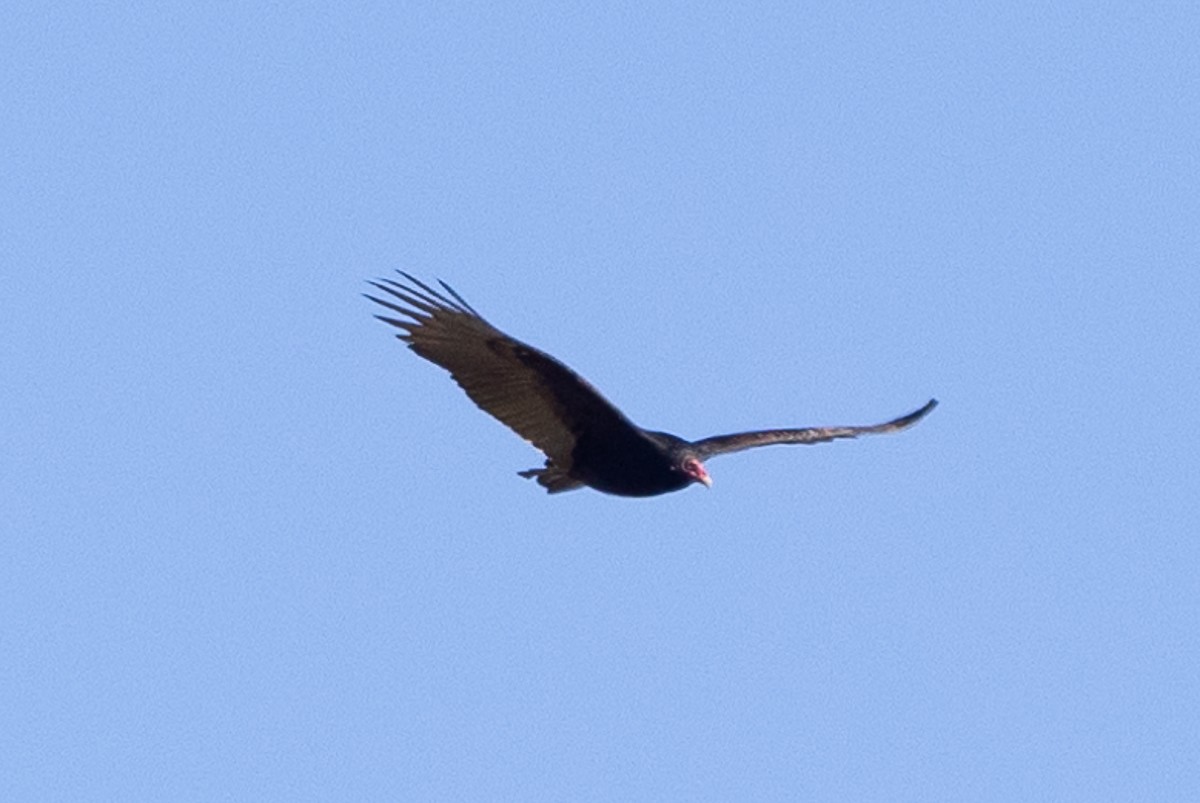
x=692, y=467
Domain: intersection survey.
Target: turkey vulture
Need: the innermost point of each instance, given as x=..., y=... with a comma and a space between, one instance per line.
x=586, y=440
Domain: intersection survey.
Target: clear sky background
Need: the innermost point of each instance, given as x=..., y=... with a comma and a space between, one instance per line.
x=253, y=548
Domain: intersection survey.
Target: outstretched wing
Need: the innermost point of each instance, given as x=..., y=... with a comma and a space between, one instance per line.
x=535, y=395
x=723, y=444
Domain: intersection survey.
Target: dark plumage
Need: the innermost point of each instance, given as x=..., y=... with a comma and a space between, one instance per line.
x=586, y=440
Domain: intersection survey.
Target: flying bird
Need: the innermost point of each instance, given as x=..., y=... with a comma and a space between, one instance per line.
x=586, y=440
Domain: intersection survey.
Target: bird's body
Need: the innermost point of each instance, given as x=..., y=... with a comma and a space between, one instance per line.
x=639, y=464
x=587, y=441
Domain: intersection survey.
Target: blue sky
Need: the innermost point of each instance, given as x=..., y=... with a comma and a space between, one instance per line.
x=255, y=549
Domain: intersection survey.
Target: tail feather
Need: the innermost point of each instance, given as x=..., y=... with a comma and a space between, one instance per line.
x=552, y=478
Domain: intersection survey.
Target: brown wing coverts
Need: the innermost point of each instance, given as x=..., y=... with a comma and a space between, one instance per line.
x=723, y=444
x=529, y=391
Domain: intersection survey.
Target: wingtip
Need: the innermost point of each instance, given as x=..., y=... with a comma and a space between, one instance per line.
x=916, y=415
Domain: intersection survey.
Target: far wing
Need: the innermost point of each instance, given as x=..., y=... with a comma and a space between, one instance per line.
x=535, y=395
x=724, y=444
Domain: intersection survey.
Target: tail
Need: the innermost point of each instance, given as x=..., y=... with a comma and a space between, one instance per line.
x=552, y=478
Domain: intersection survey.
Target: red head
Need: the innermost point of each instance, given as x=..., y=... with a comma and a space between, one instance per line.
x=695, y=469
